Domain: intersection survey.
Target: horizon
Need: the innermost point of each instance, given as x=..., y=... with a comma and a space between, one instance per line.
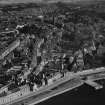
x=42, y=1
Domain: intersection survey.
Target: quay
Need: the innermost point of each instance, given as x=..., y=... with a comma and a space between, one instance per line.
x=58, y=86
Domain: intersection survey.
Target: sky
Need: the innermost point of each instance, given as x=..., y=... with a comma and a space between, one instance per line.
x=17, y=1
x=26, y=1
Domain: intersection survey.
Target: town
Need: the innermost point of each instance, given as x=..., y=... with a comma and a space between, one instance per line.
x=41, y=43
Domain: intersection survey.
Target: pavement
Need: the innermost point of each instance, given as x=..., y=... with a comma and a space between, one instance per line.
x=67, y=83
x=62, y=88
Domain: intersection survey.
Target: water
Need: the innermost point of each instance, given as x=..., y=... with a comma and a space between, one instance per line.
x=84, y=95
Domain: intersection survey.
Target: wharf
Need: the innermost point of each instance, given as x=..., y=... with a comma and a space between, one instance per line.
x=68, y=82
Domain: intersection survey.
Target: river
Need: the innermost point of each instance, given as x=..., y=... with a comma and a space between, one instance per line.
x=84, y=95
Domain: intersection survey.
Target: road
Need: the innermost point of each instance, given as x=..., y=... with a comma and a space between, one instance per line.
x=52, y=92
x=65, y=85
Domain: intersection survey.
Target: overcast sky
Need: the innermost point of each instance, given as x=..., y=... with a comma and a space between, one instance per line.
x=23, y=1
x=26, y=1
x=18, y=1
